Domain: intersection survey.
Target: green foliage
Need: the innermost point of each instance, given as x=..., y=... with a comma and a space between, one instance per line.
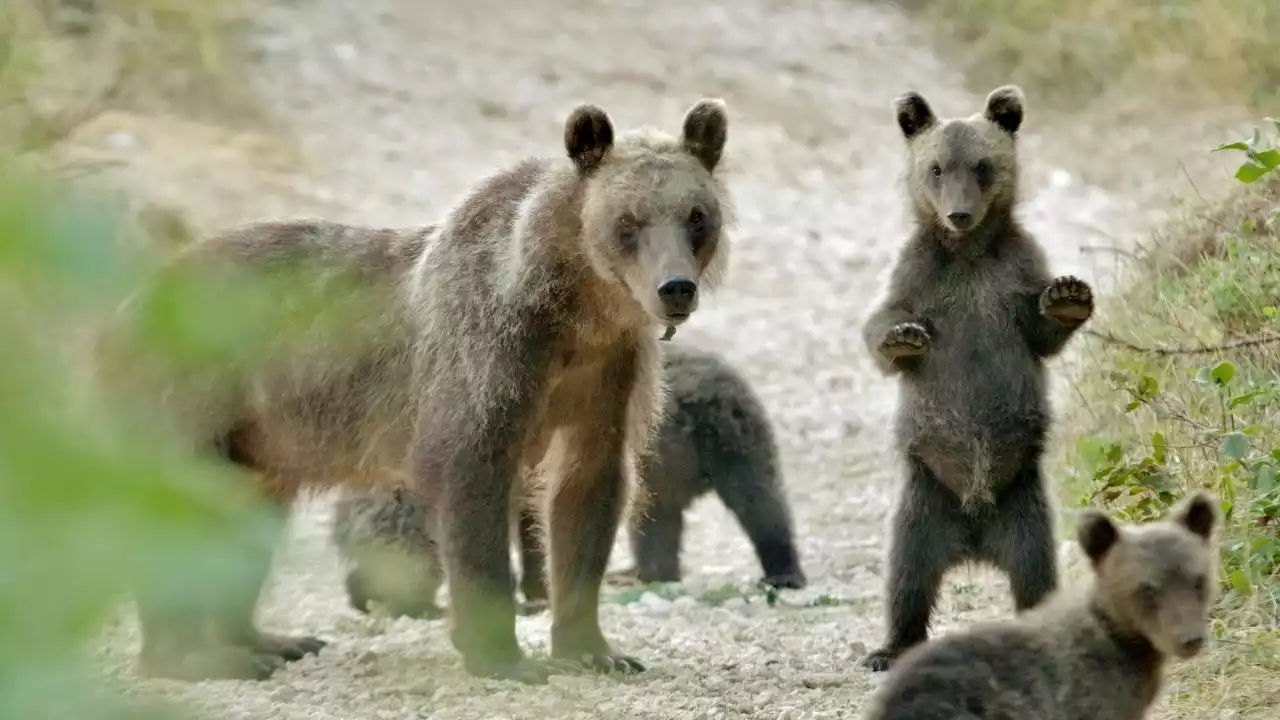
x=1227, y=447
x=1217, y=425
x=1260, y=157
x=97, y=497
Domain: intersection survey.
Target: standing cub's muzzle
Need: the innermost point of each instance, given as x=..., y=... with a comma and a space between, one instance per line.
x=679, y=298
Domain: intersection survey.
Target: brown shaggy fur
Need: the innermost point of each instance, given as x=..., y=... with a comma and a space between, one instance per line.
x=520, y=332
x=1091, y=653
x=967, y=319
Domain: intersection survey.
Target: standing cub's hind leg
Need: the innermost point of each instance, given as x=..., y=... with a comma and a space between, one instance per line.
x=1020, y=539
x=928, y=538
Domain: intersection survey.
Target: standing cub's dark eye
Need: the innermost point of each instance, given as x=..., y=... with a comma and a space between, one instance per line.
x=983, y=171
x=1198, y=585
x=697, y=228
x=936, y=170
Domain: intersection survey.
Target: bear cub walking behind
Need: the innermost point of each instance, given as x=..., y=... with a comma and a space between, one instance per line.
x=715, y=435
x=968, y=317
x=1089, y=653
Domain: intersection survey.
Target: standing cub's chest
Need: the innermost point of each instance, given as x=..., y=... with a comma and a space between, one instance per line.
x=980, y=291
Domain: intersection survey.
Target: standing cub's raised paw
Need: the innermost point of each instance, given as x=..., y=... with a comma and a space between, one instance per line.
x=905, y=340
x=1068, y=299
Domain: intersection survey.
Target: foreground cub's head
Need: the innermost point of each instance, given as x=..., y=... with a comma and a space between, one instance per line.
x=654, y=214
x=962, y=170
x=1157, y=580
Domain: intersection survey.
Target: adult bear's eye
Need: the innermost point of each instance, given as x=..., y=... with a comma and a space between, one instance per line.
x=628, y=230
x=936, y=170
x=697, y=228
x=983, y=171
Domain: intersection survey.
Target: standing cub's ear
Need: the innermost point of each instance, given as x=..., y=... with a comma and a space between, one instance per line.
x=1004, y=108
x=706, y=127
x=1198, y=513
x=914, y=114
x=1096, y=534
x=588, y=136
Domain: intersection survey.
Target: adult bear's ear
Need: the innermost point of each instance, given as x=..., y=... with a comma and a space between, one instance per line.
x=705, y=131
x=588, y=137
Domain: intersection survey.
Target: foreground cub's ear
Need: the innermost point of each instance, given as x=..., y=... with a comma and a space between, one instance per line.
x=1198, y=513
x=706, y=127
x=588, y=136
x=914, y=114
x=1004, y=107
x=1096, y=534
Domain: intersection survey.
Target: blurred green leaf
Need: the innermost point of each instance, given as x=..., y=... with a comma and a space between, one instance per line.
x=1240, y=583
x=1269, y=159
x=1265, y=480
x=1148, y=386
x=1223, y=373
x=1159, y=450
x=1235, y=445
x=1249, y=173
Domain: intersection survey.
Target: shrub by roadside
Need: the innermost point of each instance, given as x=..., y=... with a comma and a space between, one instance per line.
x=1180, y=389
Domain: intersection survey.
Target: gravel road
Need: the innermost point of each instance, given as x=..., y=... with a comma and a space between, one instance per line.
x=397, y=106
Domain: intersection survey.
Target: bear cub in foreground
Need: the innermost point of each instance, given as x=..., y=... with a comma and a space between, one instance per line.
x=519, y=332
x=968, y=317
x=1089, y=653
x=715, y=435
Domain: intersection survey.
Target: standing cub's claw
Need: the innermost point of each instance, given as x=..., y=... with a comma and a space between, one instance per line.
x=879, y=660
x=1068, y=299
x=905, y=340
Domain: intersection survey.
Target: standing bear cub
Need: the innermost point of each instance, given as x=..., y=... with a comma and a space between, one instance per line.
x=519, y=332
x=969, y=315
x=715, y=435
x=1091, y=653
